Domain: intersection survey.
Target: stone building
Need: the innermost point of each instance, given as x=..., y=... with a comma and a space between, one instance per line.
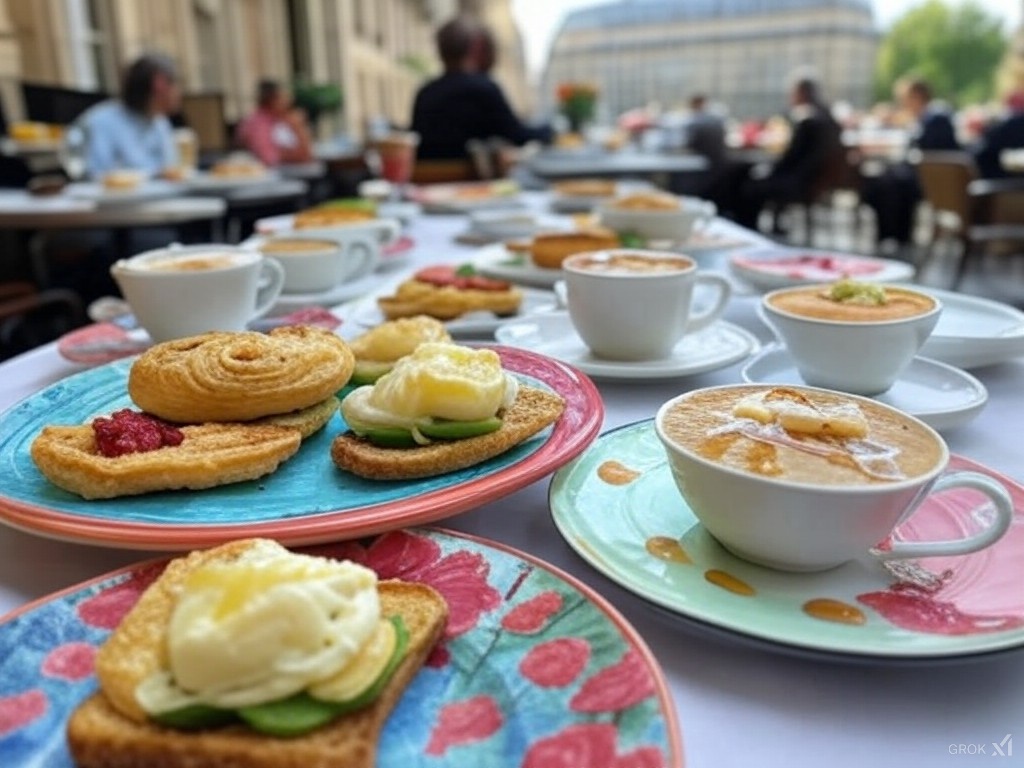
x=379, y=51
x=740, y=52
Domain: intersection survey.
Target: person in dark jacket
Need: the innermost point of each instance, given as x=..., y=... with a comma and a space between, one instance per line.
x=1005, y=133
x=815, y=142
x=464, y=102
x=894, y=195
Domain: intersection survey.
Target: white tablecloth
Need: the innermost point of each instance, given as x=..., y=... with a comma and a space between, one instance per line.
x=737, y=707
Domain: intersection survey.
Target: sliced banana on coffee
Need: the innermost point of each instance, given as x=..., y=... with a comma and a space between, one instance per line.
x=792, y=411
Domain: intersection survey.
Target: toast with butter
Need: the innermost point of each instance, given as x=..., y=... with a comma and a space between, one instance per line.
x=111, y=730
x=532, y=411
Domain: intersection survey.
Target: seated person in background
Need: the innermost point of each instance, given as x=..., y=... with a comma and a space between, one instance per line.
x=134, y=131
x=934, y=128
x=703, y=133
x=815, y=143
x=895, y=194
x=276, y=132
x=464, y=102
x=1005, y=133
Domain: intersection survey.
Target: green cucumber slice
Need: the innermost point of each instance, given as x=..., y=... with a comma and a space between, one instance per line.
x=443, y=429
x=195, y=717
x=390, y=437
x=294, y=716
x=367, y=372
x=301, y=713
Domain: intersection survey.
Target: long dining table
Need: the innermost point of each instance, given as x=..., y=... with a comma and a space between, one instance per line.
x=738, y=704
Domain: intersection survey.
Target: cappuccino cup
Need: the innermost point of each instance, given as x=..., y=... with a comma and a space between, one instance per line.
x=816, y=493
x=857, y=348
x=315, y=264
x=186, y=290
x=632, y=304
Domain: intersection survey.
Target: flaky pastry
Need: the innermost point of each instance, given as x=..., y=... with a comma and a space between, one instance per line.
x=226, y=376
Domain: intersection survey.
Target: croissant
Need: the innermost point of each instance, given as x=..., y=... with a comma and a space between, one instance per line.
x=224, y=376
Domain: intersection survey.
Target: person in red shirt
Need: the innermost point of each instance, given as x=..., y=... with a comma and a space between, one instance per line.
x=276, y=132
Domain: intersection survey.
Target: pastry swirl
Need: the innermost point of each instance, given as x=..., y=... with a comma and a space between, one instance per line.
x=223, y=376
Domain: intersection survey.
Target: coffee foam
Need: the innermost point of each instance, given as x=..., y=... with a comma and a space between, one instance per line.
x=631, y=264
x=895, y=447
x=205, y=261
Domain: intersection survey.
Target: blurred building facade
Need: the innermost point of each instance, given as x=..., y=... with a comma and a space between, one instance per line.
x=378, y=51
x=740, y=52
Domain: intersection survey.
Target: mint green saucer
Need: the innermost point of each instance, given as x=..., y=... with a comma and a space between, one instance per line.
x=858, y=611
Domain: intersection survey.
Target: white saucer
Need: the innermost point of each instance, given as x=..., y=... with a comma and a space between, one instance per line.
x=146, y=191
x=289, y=302
x=758, y=267
x=498, y=262
x=211, y=183
x=553, y=334
x=368, y=314
x=973, y=332
x=938, y=394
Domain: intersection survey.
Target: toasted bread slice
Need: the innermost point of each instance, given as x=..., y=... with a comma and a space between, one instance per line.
x=109, y=730
x=308, y=421
x=533, y=410
x=210, y=455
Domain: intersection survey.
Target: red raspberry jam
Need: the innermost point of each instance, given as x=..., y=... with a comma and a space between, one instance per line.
x=128, y=431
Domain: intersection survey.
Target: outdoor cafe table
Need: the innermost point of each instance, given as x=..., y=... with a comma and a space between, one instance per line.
x=554, y=164
x=737, y=706
x=20, y=211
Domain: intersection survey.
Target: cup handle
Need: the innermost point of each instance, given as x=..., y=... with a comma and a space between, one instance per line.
x=272, y=280
x=988, y=536
x=390, y=229
x=361, y=255
x=704, y=319
x=561, y=291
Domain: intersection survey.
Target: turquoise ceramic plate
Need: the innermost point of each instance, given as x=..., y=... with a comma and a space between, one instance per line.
x=535, y=668
x=618, y=507
x=306, y=501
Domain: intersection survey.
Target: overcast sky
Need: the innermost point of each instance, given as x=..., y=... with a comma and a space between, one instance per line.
x=539, y=19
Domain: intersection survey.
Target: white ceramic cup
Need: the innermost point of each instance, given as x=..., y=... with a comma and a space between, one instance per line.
x=185, y=290
x=636, y=315
x=801, y=527
x=314, y=264
x=860, y=357
x=676, y=225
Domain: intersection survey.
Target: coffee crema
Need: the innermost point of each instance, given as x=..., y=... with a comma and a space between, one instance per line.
x=895, y=447
x=632, y=264
x=194, y=263
x=297, y=247
x=814, y=302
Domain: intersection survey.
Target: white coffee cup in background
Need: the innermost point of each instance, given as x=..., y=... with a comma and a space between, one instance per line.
x=185, y=290
x=855, y=348
x=319, y=264
x=631, y=304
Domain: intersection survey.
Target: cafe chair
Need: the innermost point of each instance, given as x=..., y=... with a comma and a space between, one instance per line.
x=30, y=317
x=944, y=177
x=444, y=171
x=838, y=173
x=982, y=216
x=997, y=220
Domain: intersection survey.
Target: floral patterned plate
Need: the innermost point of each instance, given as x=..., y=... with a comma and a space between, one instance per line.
x=306, y=501
x=535, y=670
x=648, y=540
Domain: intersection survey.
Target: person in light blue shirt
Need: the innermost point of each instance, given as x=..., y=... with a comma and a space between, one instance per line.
x=134, y=131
